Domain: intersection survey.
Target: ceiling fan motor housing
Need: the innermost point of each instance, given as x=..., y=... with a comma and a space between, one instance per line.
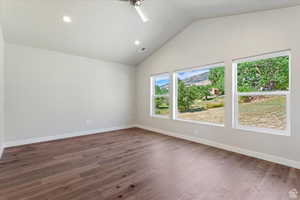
x=136, y=2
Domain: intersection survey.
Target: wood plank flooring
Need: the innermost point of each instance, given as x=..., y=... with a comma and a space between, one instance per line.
x=135, y=164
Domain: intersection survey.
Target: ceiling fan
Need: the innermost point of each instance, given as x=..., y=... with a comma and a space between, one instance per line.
x=137, y=5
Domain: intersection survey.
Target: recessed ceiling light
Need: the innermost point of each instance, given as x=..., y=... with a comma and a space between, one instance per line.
x=137, y=42
x=142, y=50
x=67, y=19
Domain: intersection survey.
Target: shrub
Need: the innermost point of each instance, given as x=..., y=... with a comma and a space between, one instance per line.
x=211, y=105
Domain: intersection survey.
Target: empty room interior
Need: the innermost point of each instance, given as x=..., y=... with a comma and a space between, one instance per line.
x=149, y=100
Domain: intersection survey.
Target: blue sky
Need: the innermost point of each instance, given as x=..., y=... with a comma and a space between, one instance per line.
x=162, y=80
x=184, y=75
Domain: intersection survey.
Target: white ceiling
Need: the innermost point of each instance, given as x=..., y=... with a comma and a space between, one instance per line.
x=107, y=29
x=200, y=9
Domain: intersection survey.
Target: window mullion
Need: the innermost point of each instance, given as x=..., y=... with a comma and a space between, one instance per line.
x=269, y=93
x=163, y=95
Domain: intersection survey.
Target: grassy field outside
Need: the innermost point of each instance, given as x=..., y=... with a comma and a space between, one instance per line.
x=267, y=112
x=211, y=111
x=215, y=115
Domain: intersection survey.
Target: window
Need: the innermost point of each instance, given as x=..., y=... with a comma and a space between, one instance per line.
x=160, y=97
x=200, y=94
x=262, y=93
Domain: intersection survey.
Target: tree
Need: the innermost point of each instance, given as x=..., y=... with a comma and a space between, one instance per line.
x=161, y=102
x=188, y=94
x=183, y=103
x=216, y=77
x=267, y=74
x=204, y=92
x=160, y=91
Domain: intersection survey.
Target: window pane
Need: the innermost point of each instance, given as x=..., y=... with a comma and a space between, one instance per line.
x=161, y=106
x=264, y=75
x=161, y=84
x=263, y=112
x=200, y=95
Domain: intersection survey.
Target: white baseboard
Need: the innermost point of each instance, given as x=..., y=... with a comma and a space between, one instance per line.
x=263, y=156
x=62, y=136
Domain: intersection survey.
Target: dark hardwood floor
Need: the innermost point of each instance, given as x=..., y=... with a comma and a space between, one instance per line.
x=135, y=164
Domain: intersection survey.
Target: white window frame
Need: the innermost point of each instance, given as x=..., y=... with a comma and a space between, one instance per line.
x=153, y=96
x=237, y=94
x=175, y=111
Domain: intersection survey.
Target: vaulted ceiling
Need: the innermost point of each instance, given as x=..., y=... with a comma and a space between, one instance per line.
x=107, y=29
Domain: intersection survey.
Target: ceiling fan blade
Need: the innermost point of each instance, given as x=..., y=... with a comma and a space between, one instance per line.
x=141, y=14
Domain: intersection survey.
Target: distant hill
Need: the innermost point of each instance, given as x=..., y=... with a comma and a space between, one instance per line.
x=166, y=86
x=200, y=79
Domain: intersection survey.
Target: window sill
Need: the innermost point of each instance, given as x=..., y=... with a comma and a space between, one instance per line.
x=265, y=130
x=160, y=116
x=200, y=123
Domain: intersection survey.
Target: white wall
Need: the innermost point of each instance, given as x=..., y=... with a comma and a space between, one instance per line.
x=224, y=39
x=50, y=93
x=1, y=90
